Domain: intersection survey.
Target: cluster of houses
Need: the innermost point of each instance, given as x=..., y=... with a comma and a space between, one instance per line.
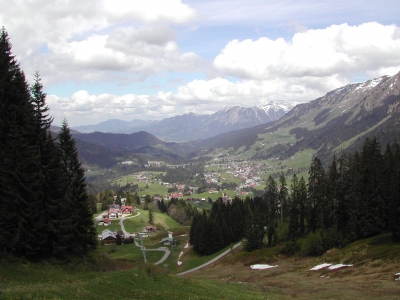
x=115, y=211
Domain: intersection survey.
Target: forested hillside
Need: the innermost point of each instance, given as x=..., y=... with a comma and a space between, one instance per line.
x=43, y=200
x=357, y=196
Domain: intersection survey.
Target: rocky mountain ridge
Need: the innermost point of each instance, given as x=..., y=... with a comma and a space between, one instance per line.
x=183, y=128
x=338, y=121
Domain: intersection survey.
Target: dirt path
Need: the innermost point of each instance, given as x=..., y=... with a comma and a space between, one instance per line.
x=211, y=261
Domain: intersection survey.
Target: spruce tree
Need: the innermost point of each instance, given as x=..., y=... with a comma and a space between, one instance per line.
x=330, y=210
x=316, y=195
x=302, y=201
x=82, y=238
x=19, y=180
x=392, y=163
x=271, y=197
x=372, y=219
x=294, y=209
x=283, y=196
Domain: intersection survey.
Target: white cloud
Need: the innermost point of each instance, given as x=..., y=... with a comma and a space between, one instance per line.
x=121, y=41
x=83, y=39
x=149, y=11
x=199, y=96
x=338, y=49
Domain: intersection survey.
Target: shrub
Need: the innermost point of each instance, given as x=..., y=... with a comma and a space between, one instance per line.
x=322, y=241
x=291, y=248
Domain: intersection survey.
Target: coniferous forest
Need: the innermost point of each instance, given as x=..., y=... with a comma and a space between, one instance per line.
x=358, y=196
x=43, y=201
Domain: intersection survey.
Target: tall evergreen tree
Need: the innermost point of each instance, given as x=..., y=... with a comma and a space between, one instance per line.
x=353, y=199
x=18, y=160
x=372, y=219
x=393, y=159
x=83, y=236
x=343, y=194
x=330, y=210
x=302, y=201
x=271, y=197
x=316, y=195
x=283, y=197
x=294, y=209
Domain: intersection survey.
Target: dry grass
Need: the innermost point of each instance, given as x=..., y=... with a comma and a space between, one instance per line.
x=369, y=278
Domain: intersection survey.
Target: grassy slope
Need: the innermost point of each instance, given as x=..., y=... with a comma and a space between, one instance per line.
x=375, y=261
x=45, y=281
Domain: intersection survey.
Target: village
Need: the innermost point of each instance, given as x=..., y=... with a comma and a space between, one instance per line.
x=225, y=176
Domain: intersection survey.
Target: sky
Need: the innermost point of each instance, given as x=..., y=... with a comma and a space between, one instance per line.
x=155, y=59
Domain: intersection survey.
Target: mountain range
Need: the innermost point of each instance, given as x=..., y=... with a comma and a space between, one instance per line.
x=191, y=126
x=335, y=122
x=338, y=121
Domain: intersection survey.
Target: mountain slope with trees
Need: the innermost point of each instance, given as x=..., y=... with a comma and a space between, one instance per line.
x=340, y=120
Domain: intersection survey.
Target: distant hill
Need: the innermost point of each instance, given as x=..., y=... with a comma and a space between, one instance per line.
x=93, y=146
x=191, y=126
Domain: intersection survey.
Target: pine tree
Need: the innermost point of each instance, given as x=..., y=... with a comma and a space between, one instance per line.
x=271, y=197
x=236, y=217
x=316, y=195
x=353, y=199
x=82, y=238
x=372, y=219
x=302, y=201
x=283, y=196
x=392, y=161
x=343, y=193
x=254, y=230
x=294, y=210
x=58, y=217
x=330, y=210
x=151, y=216
x=18, y=160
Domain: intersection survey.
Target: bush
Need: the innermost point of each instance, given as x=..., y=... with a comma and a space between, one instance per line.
x=313, y=245
x=291, y=248
x=160, y=227
x=317, y=244
x=129, y=240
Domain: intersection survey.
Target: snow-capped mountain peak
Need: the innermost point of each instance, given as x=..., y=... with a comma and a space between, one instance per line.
x=278, y=105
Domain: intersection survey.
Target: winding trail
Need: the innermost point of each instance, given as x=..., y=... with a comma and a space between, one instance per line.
x=211, y=261
x=166, y=251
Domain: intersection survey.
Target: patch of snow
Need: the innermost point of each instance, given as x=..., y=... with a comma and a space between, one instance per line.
x=276, y=105
x=319, y=267
x=338, y=266
x=374, y=82
x=262, y=267
x=179, y=263
x=359, y=87
x=187, y=245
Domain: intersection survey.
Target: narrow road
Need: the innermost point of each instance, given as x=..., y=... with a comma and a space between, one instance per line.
x=166, y=251
x=211, y=261
x=166, y=254
x=121, y=223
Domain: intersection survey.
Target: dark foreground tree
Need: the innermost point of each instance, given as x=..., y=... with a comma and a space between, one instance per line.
x=82, y=237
